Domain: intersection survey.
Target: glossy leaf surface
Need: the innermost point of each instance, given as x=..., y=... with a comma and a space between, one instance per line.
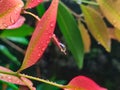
x=20, y=40
x=23, y=31
x=69, y=29
x=111, y=10
x=83, y=83
x=97, y=26
x=9, y=12
x=85, y=37
x=7, y=53
x=10, y=85
x=18, y=23
x=32, y=3
x=11, y=78
x=41, y=36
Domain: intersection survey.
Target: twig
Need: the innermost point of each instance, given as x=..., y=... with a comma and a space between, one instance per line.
x=13, y=46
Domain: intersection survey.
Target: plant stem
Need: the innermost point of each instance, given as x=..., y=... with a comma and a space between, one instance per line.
x=13, y=45
x=35, y=16
x=34, y=78
x=44, y=81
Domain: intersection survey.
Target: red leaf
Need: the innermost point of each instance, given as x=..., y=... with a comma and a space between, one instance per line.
x=9, y=12
x=83, y=83
x=41, y=36
x=32, y=3
x=18, y=23
x=13, y=79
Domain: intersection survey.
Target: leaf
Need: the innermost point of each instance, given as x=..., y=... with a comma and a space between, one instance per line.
x=83, y=83
x=97, y=27
x=20, y=40
x=41, y=36
x=40, y=9
x=110, y=9
x=32, y=3
x=18, y=23
x=9, y=12
x=23, y=31
x=70, y=31
x=114, y=33
x=5, y=51
x=10, y=85
x=85, y=37
x=11, y=78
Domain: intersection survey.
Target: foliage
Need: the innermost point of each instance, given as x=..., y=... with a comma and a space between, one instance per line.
x=75, y=28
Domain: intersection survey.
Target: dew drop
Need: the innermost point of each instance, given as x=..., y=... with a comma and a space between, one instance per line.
x=5, y=25
x=39, y=55
x=9, y=77
x=12, y=20
x=39, y=0
x=17, y=81
x=51, y=24
x=42, y=49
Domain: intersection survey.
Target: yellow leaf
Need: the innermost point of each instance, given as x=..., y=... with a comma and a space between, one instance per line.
x=114, y=33
x=97, y=27
x=111, y=11
x=85, y=37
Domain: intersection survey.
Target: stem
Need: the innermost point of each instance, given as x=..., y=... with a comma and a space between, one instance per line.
x=10, y=73
x=13, y=45
x=44, y=81
x=35, y=16
x=35, y=78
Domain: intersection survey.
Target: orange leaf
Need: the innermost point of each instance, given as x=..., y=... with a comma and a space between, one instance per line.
x=83, y=83
x=85, y=37
x=32, y=3
x=110, y=9
x=13, y=79
x=114, y=33
x=9, y=12
x=96, y=26
x=41, y=36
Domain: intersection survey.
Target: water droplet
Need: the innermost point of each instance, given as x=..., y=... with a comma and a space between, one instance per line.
x=5, y=25
x=42, y=49
x=39, y=0
x=51, y=24
x=17, y=81
x=98, y=43
x=11, y=20
x=9, y=77
x=63, y=48
x=39, y=55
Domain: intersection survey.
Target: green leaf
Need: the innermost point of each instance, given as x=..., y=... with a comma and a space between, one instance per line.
x=111, y=10
x=21, y=40
x=25, y=30
x=5, y=51
x=97, y=27
x=71, y=33
x=40, y=9
x=10, y=85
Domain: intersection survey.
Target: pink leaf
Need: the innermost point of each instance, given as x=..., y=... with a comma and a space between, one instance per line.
x=32, y=3
x=41, y=36
x=13, y=79
x=9, y=12
x=18, y=23
x=83, y=83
